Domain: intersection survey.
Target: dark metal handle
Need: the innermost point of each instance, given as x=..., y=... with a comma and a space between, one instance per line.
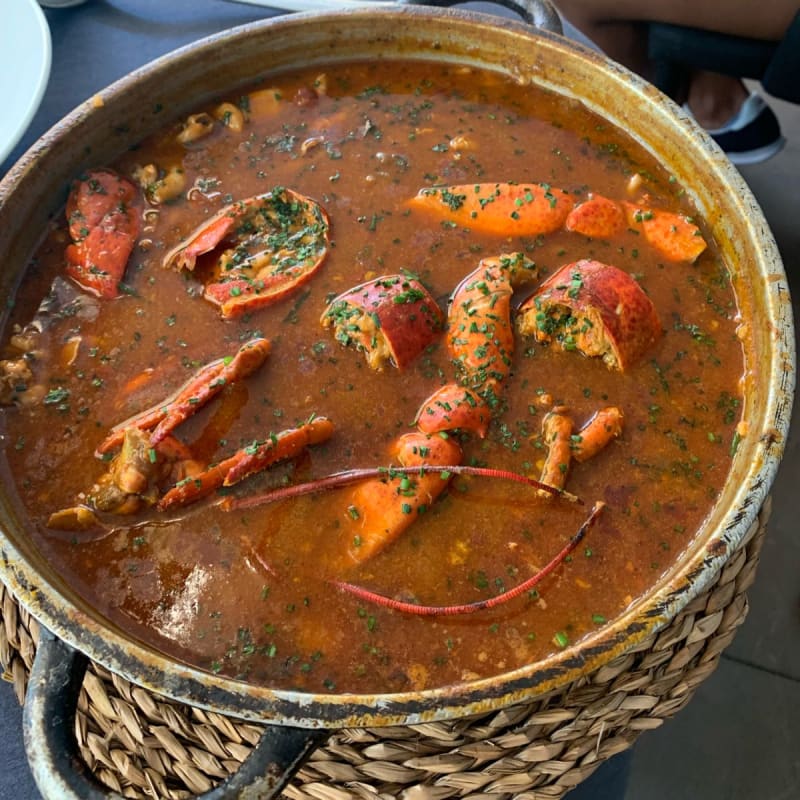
x=60, y=773
x=539, y=13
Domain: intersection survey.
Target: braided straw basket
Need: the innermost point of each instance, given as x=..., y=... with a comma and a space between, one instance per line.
x=142, y=745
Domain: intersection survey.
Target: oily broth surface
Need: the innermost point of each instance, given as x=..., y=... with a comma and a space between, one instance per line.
x=248, y=593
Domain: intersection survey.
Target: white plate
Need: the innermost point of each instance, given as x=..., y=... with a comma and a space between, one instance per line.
x=24, y=68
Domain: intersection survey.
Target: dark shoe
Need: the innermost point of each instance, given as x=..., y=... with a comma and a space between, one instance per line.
x=753, y=135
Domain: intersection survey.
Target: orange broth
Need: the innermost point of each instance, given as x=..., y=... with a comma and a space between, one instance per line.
x=249, y=593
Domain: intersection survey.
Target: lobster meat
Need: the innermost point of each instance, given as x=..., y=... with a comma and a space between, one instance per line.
x=504, y=209
x=391, y=319
x=263, y=248
x=594, y=308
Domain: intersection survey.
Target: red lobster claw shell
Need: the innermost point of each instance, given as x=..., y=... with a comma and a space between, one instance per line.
x=596, y=309
x=264, y=247
x=392, y=318
x=104, y=215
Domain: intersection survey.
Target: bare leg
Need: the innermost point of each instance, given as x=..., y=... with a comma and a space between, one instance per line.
x=767, y=19
x=714, y=99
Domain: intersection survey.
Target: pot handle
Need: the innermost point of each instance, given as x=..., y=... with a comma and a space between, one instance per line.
x=60, y=773
x=539, y=13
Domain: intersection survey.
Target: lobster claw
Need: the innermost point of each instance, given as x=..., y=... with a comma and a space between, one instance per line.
x=391, y=318
x=104, y=215
x=594, y=308
x=263, y=248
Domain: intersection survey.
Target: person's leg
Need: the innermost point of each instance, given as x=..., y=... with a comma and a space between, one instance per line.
x=742, y=124
x=767, y=19
x=714, y=99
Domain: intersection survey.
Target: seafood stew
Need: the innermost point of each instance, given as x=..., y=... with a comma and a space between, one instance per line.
x=496, y=315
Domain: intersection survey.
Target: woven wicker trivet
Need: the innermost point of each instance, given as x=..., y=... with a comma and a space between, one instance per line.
x=143, y=746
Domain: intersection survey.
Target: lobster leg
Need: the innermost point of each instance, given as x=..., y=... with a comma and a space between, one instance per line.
x=604, y=425
x=195, y=395
x=247, y=461
x=204, y=385
x=557, y=433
